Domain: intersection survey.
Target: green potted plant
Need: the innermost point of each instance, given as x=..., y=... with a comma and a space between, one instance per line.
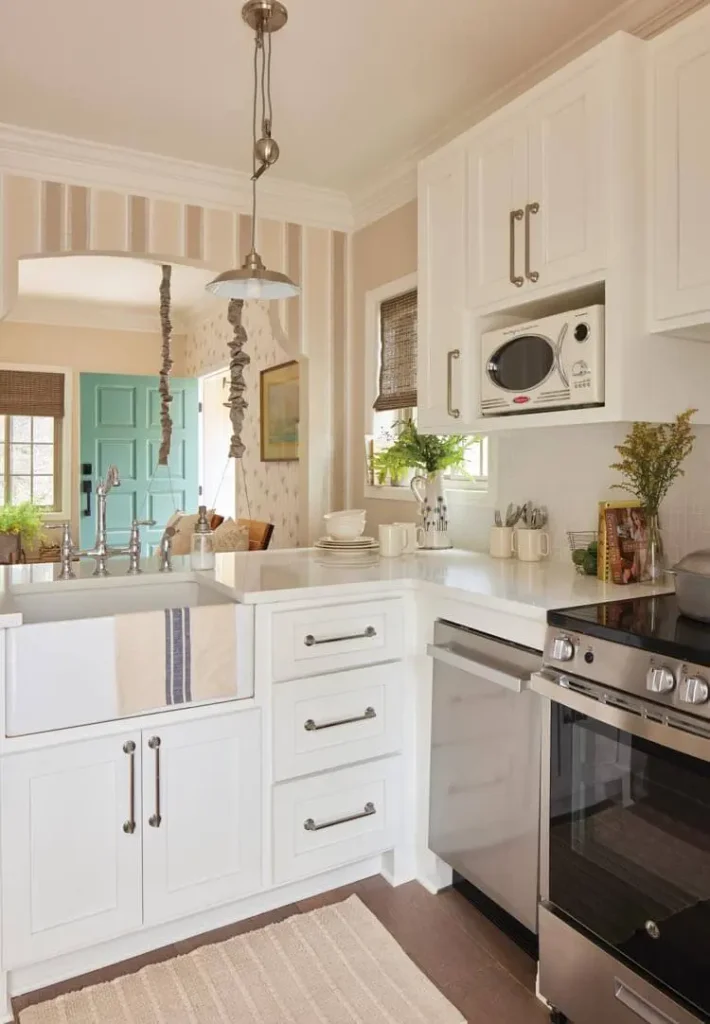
x=388, y=464
x=21, y=526
x=650, y=459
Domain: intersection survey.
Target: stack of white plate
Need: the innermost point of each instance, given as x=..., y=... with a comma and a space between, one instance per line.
x=360, y=551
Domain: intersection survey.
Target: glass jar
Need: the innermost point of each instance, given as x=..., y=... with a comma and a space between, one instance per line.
x=202, y=554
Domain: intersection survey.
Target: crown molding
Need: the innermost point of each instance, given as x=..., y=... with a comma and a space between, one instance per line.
x=643, y=18
x=53, y=312
x=39, y=154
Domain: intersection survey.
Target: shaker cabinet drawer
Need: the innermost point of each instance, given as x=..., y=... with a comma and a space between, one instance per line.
x=319, y=640
x=336, y=719
x=329, y=820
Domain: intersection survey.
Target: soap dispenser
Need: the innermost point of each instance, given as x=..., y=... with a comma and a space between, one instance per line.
x=202, y=555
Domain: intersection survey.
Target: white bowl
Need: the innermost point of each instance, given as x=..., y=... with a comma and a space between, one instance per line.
x=347, y=525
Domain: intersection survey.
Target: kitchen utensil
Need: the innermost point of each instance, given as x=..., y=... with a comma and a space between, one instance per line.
x=392, y=540
x=498, y=519
x=500, y=542
x=512, y=514
x=692, y=585
x=531, y=545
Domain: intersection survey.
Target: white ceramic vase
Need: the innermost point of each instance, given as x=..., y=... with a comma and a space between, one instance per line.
x=433, y=512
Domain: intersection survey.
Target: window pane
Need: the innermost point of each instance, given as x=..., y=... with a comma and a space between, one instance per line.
x=473, y=460
x=20, y=428
x=20, y=489
x=20, y=458
x=43, y=490
x=43, y=429
x=43, y=459
x=2, y=490
x=3, y=421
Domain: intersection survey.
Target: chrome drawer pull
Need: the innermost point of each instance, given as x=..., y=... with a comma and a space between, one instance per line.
x=638, y=1006
x=311, y=726
x=310, y=825
x=155, y=819
x=532, y=275
x=450, y=357
x=312, y=641
x=129, y=826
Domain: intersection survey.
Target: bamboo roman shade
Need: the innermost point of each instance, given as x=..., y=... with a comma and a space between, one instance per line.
x=398, y=353
x=24, y=393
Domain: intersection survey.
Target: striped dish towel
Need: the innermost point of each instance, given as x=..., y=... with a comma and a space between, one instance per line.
x=176, y=656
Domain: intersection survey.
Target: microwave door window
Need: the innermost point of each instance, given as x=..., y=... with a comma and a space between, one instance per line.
x=522, y=364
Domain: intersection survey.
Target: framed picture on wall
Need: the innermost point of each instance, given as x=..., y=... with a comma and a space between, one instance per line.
x=280, y=412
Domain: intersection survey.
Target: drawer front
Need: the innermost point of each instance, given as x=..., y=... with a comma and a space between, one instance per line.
x=320, y=640
x=335, y=720
x=329, y=820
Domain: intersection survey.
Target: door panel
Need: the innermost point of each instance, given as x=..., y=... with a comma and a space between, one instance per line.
x=497, y=185
x=120, y=424
x=71, y=875
x=567, y=178
x=207, y=848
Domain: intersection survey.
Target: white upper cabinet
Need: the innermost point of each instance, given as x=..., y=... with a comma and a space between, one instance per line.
x=202, y=814
x=680, y=86
x=538, y=209
x=443, y=370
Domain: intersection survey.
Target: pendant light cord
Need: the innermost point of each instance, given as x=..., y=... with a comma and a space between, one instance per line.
x=258, y=45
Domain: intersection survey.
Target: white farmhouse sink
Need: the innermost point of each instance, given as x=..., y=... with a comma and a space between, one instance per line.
x=61, y=662
x=65, y=601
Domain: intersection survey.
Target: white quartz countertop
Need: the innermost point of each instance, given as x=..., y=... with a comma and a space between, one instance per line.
x=519, y=588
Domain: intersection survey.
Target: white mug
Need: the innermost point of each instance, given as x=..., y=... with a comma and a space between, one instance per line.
x=392, y=540
x=500, y=544
x=531, y=545
x=409, y=533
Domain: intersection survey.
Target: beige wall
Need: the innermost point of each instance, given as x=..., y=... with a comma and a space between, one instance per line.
x=381, y=252
x=84, y=350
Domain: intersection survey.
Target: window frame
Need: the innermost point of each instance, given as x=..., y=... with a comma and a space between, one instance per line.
x=467, y=490
x=66, y=453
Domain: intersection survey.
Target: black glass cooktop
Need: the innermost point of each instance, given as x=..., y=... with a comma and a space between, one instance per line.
x=651, y=623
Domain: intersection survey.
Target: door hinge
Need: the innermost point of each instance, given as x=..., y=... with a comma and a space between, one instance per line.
x=199, y=490
x=199, y=406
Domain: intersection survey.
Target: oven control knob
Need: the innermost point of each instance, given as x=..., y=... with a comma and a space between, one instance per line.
x=562, y=649
x=694, y=690
x=660, y=680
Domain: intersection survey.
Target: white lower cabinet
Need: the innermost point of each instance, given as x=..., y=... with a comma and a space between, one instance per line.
x=71, y=872
x=327, y=820
x=202, y=802
x=104, y=836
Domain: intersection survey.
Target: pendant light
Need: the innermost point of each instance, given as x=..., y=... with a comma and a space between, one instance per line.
x=253, y=280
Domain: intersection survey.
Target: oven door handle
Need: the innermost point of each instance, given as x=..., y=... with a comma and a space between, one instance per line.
x=484, y=668
x=639, y=1007
x=674, y=736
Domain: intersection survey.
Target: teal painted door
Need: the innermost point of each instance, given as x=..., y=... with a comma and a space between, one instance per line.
x=120, y=424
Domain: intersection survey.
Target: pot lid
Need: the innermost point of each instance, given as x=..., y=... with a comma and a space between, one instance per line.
x=697, y=562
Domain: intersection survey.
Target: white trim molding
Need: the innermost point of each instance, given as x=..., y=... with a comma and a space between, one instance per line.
x=39, y=154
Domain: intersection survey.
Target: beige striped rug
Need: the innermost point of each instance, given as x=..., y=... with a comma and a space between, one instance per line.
x=336, y=965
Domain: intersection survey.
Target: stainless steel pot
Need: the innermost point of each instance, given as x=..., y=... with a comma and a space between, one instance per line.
x=692, y=585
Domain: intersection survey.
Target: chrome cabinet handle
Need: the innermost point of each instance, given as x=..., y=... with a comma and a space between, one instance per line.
x=530, y=209
x=155, y=819
x=514, y=279
x=311, y=726
x=450, y=357
x=313, y=641
x=311, y=826
x=129, y=826
x=638, y=1006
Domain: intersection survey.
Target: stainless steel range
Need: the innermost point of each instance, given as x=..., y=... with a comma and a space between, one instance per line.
x=624, y=923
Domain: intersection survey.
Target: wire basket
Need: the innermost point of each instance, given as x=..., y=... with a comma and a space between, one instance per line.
x=579, y=541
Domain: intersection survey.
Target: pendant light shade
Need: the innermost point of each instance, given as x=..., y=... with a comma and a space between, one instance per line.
x=253, y=280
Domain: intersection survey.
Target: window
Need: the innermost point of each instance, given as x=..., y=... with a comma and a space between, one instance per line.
x=391, y=369
x=31, y=434
x=29, y=460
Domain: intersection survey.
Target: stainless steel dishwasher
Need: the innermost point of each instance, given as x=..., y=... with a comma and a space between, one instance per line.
x=484, y=808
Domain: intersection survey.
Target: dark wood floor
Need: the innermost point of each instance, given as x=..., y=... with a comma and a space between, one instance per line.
x=476, y=966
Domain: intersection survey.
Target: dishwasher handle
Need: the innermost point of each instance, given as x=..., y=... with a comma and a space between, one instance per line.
x=500, y=673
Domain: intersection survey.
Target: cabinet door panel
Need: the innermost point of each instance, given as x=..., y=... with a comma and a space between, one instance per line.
x=443, y=380
x=206, y=849
x=497, y=186
x=681, y=155
x=71, y=875
x=567, y=178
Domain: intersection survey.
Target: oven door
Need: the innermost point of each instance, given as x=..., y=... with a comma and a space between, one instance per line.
x=628, y=849
x=522, y=363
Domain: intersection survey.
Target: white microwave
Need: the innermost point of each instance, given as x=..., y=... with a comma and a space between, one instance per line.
x=553, y=363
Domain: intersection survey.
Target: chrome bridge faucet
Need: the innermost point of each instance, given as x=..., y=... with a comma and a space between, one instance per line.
x=101, y=550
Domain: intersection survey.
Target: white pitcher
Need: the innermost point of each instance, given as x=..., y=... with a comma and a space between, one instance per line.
x=433, y=511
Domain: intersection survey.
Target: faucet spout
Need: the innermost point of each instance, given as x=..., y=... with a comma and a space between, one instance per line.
x=112, y=480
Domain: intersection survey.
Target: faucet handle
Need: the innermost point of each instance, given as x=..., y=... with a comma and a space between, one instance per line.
x=67, y=549
x=144, y=522
x=65, y=527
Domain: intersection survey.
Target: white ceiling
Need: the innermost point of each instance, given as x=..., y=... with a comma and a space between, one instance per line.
x=358, y=84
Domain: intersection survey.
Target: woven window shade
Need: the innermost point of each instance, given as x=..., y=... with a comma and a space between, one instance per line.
x=398, y=353
x=24, y=393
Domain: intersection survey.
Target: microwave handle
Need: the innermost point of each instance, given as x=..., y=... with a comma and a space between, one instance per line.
x=558, y=354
